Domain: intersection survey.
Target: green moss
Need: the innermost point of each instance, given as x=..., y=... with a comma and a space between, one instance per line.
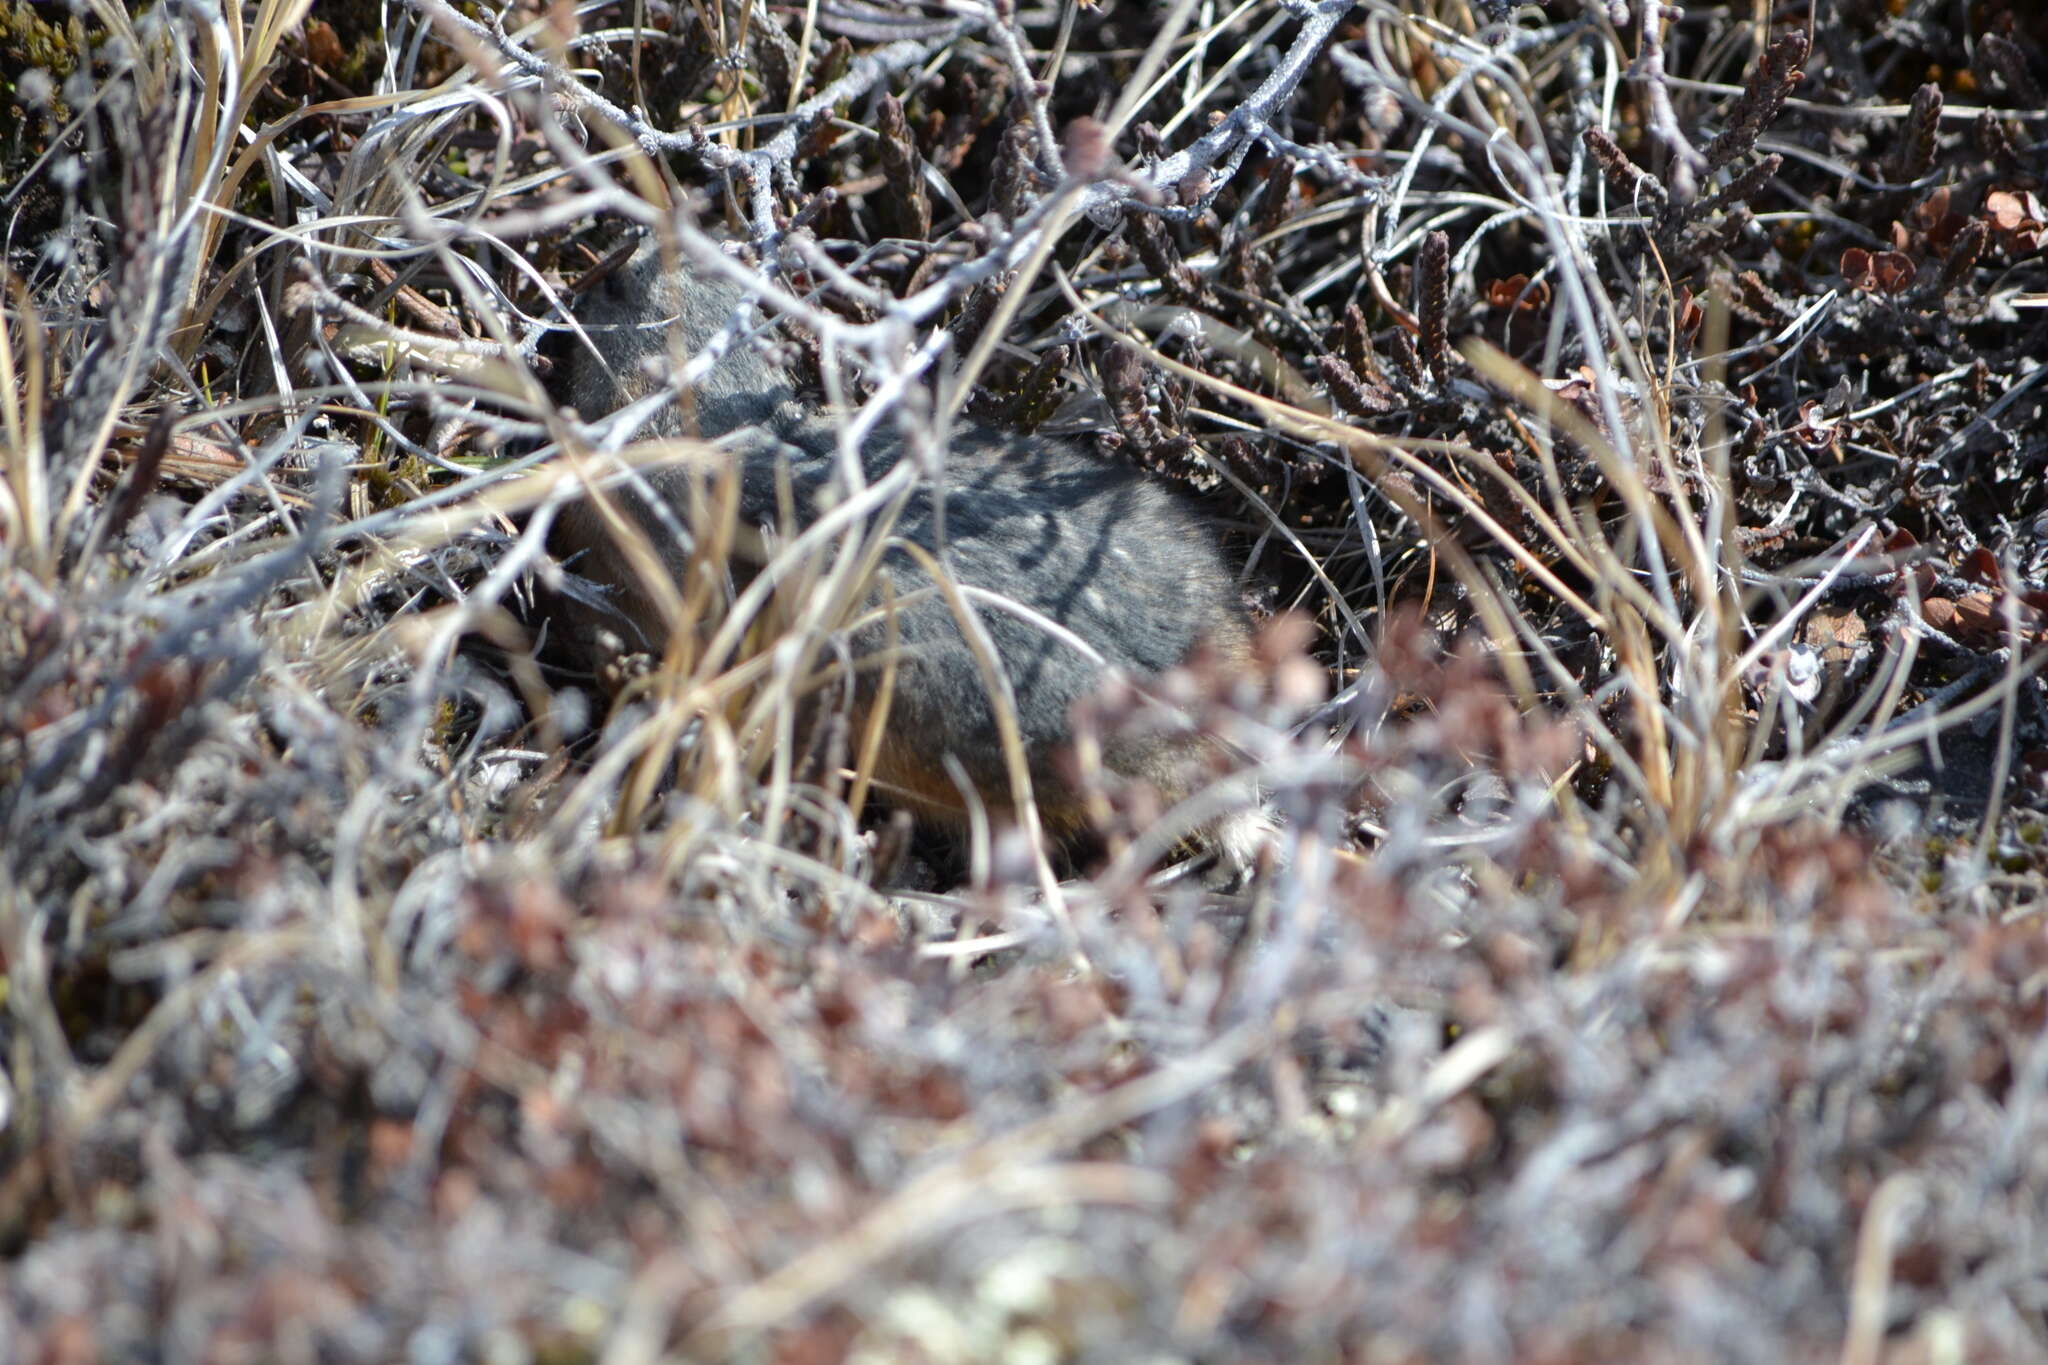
x=29, y=41
x=362, y=37
x=43, y=42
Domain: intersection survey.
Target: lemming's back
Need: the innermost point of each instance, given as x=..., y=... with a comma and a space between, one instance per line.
x=1118, y=560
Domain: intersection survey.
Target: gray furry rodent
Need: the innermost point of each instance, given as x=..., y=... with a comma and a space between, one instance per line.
x=1118, y=560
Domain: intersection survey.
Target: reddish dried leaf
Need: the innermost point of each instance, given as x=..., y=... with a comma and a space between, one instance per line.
x=2004, y=210
x=1843, y=629
x=1894, y=271
x=1515, y=292
x=1815, y=431
x=324, y=47
x=1690, y=314
x=1941, y=237
x=1981, y=618
x=1856, y=268
x=1939, y=612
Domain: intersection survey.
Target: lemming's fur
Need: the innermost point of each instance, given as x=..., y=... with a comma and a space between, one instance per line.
x=1118, y=560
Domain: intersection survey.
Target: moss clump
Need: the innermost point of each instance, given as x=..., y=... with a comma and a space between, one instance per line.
x=37, y=56
x=31, y=42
